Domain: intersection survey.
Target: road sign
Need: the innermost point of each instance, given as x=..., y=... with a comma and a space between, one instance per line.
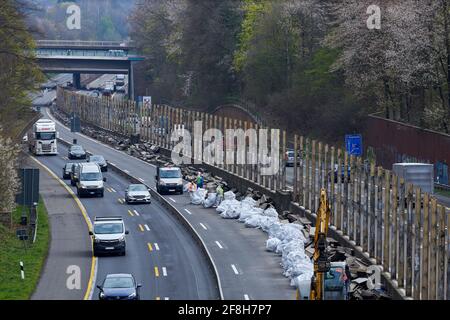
x=147, y=102
x=29, y=179
x=353, y=144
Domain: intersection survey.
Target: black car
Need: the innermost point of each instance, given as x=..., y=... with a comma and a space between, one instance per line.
x=67, y=170
x=76, y=152
x=120, y=286
x=100, y=160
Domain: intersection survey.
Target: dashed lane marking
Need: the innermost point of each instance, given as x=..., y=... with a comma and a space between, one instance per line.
x=146, y=227
x=150, y=247
x=141, y=227
x=219, y=245
x=136, y=213
x=130, y=213
x=246, y=297
x=164, y=271
x=234, y=269
x=156, y=272
x=187, y=211
x=172, y=199
x=156, y=246
x=203, y=226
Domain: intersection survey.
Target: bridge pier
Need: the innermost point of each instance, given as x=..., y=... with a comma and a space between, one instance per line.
x=77, y=80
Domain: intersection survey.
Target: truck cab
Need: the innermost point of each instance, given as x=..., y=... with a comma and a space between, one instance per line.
x=108, y=235
x=169, y=179
x=42, y=139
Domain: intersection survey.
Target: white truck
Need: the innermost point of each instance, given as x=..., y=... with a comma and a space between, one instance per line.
x=42, y=139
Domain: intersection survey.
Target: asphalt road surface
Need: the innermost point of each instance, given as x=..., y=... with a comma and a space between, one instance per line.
x=246, y=269
x=172, y=266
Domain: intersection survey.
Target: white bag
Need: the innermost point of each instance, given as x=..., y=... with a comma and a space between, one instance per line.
x=272, y=244
x=198, y=196
x=210, y=200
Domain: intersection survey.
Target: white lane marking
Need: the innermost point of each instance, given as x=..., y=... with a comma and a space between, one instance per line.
x=146, y=227
x=172, y=199
x=112, y=189
x=166, y=298
x=164, y=270
x=246, y=297
x=136, y=213
x=219, y=245
x=187, y=211
x=156, y=246
x=203, y=226
x=234, y=269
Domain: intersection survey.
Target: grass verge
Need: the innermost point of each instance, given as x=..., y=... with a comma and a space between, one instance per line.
x=12, y=251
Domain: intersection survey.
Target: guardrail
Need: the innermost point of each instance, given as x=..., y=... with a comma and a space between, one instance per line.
x=390, y=222
x=78, y=43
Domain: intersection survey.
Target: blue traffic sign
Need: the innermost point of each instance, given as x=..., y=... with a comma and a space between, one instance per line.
x=353, y=144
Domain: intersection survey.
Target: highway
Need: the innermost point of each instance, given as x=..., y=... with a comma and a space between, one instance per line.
x=161, y=254
x=246, y=269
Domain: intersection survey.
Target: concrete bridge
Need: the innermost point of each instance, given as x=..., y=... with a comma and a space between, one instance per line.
x=96, y=57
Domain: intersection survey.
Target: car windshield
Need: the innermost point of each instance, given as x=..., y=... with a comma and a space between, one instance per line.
x=118, y=282
x=96, y=158
x=91, y=176
x=137, y=187
x=108, y=228
x=45, y=136
x=76, y=148
x=170, y=173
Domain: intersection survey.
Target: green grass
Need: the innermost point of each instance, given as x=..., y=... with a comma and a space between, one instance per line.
x=12, y=251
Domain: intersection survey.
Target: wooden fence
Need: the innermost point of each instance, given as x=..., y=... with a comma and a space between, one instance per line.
x=394, y=223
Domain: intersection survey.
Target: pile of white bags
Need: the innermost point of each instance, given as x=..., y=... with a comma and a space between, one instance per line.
x=210, y=200
x=198, y=196
x=287, y=239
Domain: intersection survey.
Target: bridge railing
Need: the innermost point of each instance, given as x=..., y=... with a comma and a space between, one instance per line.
x=393, y=223
x=79, y=43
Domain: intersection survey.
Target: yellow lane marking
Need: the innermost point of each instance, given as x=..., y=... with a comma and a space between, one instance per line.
x=156, y=272
x=150, y=248
x=86, y=219
x=158, y=298
x=141, y=227
x=130, y=213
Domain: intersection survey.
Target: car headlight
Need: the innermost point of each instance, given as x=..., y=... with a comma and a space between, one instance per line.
x=122, y=239
x=82, y=186
x=102, y=295
x=133, y=295
x=96, y=240
x=162, y=183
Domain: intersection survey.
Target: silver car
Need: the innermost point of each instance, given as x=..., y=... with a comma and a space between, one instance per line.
x=137, y=193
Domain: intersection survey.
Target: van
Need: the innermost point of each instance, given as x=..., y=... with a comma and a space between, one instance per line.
x=89, y=179
x=169, y=179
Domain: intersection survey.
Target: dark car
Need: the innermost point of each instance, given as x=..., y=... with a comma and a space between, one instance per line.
x=119, y=287
x=73, y=175
x=100, y=160
x=67, y=170
x=137, y=193
x=76, y=152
